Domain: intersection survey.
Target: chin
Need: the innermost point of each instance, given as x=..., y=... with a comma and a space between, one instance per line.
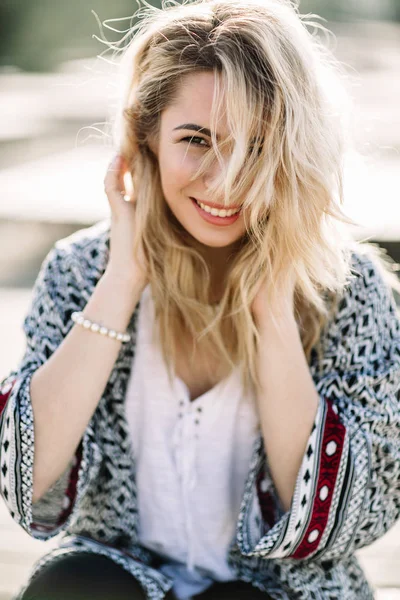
x=216, y=239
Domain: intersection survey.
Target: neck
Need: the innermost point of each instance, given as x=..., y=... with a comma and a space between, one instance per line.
x=219, y=261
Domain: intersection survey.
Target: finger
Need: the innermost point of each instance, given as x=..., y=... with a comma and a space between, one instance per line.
x=123, y=183
x=122, y=168
x=113, y=181
x=125, y=180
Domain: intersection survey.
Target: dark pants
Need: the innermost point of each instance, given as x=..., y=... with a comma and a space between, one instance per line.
x=93, y=577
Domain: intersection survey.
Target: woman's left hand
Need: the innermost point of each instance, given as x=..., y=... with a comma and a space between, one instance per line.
x=283, y=306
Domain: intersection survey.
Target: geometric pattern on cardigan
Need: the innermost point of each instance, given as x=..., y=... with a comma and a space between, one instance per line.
x=347, y=491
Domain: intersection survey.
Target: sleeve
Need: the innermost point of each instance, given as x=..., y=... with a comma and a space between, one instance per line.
x=347, y=492
x=55, y=297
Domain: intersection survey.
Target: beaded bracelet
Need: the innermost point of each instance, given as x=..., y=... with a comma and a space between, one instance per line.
x=79, y=319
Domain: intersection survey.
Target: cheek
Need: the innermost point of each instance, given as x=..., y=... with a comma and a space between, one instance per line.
x=177, y=169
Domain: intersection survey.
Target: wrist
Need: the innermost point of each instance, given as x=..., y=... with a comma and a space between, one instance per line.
x=277, y=324
x=126, y=280
x=125, y=291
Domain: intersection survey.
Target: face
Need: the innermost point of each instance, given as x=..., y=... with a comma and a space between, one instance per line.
x=180, y=149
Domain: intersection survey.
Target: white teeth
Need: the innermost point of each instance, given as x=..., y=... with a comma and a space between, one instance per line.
x=217, y=213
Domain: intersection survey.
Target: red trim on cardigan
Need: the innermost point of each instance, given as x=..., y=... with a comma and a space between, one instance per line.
x=4, y=395
x=266, y=501
x=331, y=453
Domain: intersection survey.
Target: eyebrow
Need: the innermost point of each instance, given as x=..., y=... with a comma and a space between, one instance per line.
x=194, y=127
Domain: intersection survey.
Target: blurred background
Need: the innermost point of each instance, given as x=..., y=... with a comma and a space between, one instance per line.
x=58, y=90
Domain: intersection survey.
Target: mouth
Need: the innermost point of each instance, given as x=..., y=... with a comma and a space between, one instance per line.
x=216, y=216
x=216, y=212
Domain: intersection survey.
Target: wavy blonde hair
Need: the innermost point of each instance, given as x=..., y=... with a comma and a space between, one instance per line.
x=287, y=143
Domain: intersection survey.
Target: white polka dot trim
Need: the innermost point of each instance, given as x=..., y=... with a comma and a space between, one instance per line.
x=324, y=491
x=313, y=536
x=331, y=448
x=264, y=485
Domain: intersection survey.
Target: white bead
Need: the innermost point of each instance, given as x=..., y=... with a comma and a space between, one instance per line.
x=323, y=494
x=94, y=327
x=331, y=448
x=127, y=337
x=313, y=536
x=86, y=323
x=80, y=320
x=112, y=333
x=103, y=330
x=120, y=337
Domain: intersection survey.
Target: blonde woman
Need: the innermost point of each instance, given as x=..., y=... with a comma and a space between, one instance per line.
x=208, y=405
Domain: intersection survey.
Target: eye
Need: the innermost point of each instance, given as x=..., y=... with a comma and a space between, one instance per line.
x=194, y=139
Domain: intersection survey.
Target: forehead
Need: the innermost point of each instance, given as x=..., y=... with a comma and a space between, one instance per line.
x=193, y=102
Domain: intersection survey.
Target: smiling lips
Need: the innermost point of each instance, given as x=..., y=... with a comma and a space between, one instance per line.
x=213, y=205
x=221, y=213
x=216, y=217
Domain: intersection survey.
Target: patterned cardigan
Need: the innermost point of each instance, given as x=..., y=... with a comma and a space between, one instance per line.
x=347, y=491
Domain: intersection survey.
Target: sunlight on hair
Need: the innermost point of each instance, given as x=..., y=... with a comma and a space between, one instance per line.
x=289, y=117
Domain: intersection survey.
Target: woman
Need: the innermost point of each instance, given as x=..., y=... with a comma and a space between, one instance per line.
x=233, y=432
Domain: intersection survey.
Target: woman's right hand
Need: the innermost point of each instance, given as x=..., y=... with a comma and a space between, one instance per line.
x=122, y=263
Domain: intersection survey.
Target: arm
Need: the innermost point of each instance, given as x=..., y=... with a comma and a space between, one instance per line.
x=287, y=402
x=346, y=492
x=66, y=389
x=46, y=434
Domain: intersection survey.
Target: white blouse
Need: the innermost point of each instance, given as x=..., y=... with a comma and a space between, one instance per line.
x=192, y=459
